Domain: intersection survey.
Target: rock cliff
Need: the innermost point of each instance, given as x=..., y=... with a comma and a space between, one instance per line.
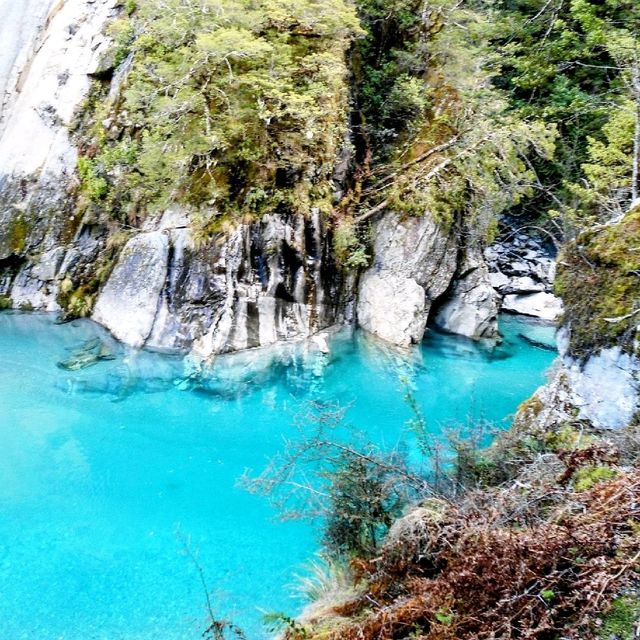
x=153, y=281
x=253, y=285
x=597, y=376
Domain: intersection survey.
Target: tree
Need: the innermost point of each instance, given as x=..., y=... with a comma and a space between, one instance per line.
x=328, y=472
x=463, y=153
x=235, y=106
x=573, y=64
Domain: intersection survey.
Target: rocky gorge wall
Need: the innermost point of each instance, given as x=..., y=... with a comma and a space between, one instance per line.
x=597, y=376
x=254, y=284
x=257, y=284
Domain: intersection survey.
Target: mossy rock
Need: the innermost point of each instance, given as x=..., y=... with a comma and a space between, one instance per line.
x=17, y=233
x=566, y=438
x=599, y=282
x=5, y=303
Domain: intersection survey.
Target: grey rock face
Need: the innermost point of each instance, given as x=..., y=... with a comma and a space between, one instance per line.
x=393, y=307
x=606, y=389
x=416, y=248
x=472, y=307
x=522, y=271
x=47, y=46
x=261, y=283
x=128, y=303
x=21, y=25
x=414, y=261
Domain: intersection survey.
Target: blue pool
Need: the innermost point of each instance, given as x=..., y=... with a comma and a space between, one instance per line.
x=108, y=475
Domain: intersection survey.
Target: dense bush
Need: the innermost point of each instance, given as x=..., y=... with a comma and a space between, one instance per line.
x=237, y=106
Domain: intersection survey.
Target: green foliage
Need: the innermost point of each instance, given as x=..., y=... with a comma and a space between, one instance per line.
x=571, y=64
x=588, y=477
x=80, y=304
x=390, y=62
x=453, y=143
x=566, y=438
x=621, y=619
x=5, y=303
x=348, y=248
x=358, y=489
x=17, y=233
x=363, y=503
x=444, y=616
x=598, y=281
x=92, y=184
x=607, y=171
x=237, y=105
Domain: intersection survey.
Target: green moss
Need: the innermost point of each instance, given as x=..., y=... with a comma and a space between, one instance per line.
x=621, y=619
x=5, y=303
x=77, y=297
x=17, y=233
x=567, y=438
x=599, y=282
x=588, y=477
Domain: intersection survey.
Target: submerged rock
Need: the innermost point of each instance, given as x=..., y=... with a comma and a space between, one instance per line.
x=89, y=354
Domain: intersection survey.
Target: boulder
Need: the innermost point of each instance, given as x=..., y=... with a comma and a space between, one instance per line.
x=128, y=303
x=393, y=307
x=414, y=262
x=524, y=284
x=541, y=305
x=472, y=307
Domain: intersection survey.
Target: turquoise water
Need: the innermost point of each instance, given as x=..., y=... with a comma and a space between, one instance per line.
x=108, y=475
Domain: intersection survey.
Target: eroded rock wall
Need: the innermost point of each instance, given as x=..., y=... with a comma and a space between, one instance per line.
x=259, y=284
x=50, y=50
x=414, y=262
x=254, y=285
x=418, y=263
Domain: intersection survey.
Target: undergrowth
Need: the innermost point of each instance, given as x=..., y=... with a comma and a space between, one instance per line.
x=542, y=541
